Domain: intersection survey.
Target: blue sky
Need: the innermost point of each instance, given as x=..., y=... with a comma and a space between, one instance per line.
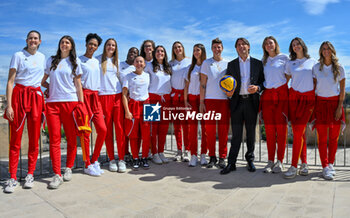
x=191, y=22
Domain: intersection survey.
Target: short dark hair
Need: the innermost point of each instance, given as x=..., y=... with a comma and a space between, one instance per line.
x=93, y=36
x=216, y=41
x=243, y=39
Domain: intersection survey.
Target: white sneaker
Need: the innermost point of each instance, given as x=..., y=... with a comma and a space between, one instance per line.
x=291, y=173
x=163, y=158
x=178, y=156
x=278, y=167
x=29, y=181
x=204, y=160
x=331, y=168
x=113, y=166
x=156, y=159
x=268, y=167
x=67, y=176
x=98, y=168
x=56, y=182
x=304, y=170
x=90, y=170
x=327, y=175
x=186, y=157
x=11, y=185
x=193, y=161
x=121, y=166
x=149, y=157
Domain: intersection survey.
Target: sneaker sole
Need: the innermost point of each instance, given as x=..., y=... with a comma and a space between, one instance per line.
x=28, y=186
x=289, y=177
x=303, y=174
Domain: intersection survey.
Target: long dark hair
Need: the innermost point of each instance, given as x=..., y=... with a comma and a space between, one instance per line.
x=142, y=49
x=292, y=54
x=104, y=57
x=32, y=31
x=194, y=60
x=72, y=55
x=334, y=59
x=155, y=64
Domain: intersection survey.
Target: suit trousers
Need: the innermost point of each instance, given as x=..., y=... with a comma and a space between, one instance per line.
x=244, y=113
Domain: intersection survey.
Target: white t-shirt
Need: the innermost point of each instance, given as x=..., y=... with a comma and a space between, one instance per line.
x=125, y=69
x=137, y=85
x=29, y=68
x=62, y=88
x=193, y=88
x=214, y=70
x=179, y=68
x=160, y=81
x=91, y=73
x=110, y=84
x=301, y=72
x=326, y=86
x=274, y=71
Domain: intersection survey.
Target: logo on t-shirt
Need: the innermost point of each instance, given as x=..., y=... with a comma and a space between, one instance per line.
x=151, y=112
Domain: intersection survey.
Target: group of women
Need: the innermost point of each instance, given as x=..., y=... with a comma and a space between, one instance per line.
x=107, y=92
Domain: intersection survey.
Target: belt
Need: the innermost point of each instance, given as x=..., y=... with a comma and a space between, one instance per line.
x=244, y=96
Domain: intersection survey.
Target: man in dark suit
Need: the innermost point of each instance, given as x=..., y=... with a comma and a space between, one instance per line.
x=244, y=102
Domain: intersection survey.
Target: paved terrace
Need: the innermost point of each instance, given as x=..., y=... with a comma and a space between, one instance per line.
x=176, y=190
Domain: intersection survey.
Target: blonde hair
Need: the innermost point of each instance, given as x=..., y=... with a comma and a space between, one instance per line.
x=334, y=59
x=266, y=54
x=115, y=57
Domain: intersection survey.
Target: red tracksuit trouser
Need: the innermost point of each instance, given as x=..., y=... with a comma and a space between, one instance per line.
x=219, y=106
x=139, y=130
x=61, y=113
x=301, y=108
x=274, y=105
x=95, y=109
x=35, y=103
x=159, y=129
x=193, y=128
x=180, y=126
x=113, y=111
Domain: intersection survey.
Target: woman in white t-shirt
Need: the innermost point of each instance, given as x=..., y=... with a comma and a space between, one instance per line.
x=179, y=64
x=91, y=84
x=135, y=95
x=64, y=94
x=301, y=102
x=26, y=71
x=159, y=93
x=110, y=95
x=274, y=103
x=191, y=100
x=329, y=77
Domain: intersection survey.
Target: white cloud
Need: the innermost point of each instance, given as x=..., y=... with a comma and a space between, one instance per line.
x=315, y=7
x=326, y=29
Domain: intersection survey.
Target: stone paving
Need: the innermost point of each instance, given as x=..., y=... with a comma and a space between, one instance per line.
x=176, y=190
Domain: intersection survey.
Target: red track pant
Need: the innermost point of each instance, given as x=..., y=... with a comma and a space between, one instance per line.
x=219, y=106
x=33, y=125
x=159, y=129
x=61, y=113
x=193, y=128
x=274, y=105
x=138, y=129
x=180, y=126
x=95, y=112
x=113, y=111
x=301, y=108
x=325, y=120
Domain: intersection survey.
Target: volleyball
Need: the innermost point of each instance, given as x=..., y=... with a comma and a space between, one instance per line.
x=228, y=83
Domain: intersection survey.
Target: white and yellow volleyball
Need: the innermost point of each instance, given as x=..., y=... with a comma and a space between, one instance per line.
x=227, y=83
